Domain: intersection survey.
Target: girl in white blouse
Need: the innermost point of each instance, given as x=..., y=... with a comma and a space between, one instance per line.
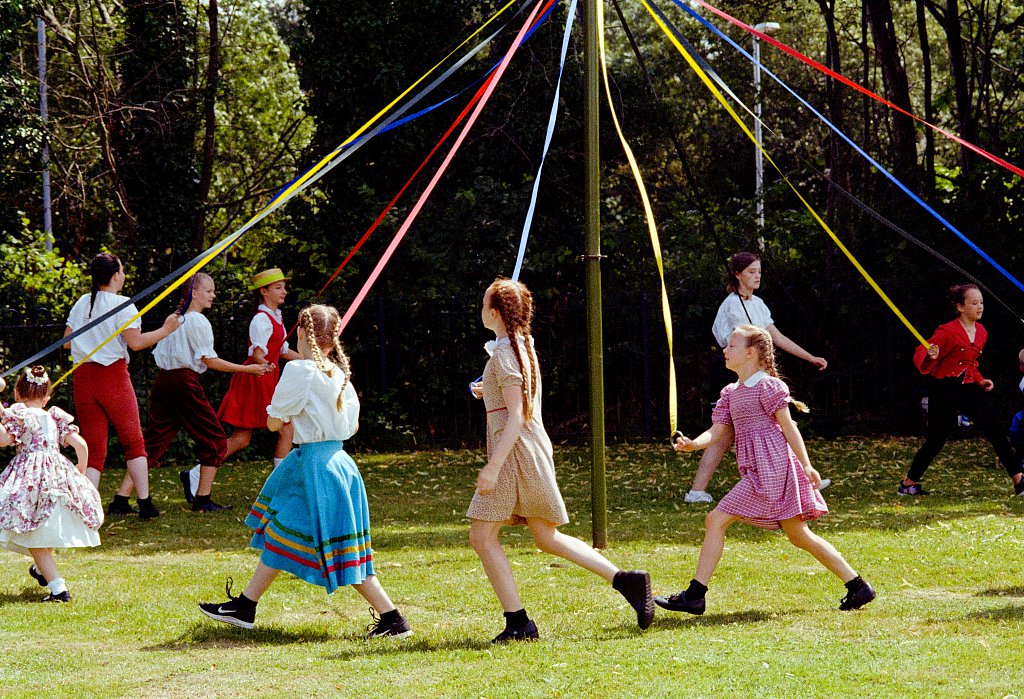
x=311, y=518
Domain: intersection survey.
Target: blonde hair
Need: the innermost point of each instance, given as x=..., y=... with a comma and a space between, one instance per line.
x=322, y=325
x=760, y=340
x=514, y=303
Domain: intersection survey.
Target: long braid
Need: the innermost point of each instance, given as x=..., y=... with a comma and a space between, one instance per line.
x=761, y=341
x=309, y=325
x=514, y=303
x=343, y=362
x=322, y=338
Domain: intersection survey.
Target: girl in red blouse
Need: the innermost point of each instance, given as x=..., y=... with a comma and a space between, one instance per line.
x=956, y=385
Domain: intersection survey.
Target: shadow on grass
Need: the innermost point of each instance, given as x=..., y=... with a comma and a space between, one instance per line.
x=683, y=620
x=1009, y=613
x=31, y=595
x=393, y=646
x=1011, y=591
x=203, y=635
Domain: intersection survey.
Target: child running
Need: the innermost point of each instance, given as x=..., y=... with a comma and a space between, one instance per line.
x=177, y=399
x=517, y=485
x=777, y=487
x=45, y=501
x=312, y=518
x=244, y=406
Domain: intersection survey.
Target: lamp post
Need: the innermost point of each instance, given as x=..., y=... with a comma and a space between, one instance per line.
x=764, y=28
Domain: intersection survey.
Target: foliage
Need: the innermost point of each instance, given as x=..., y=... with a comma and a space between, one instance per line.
x=36, y=283
x=947, y=622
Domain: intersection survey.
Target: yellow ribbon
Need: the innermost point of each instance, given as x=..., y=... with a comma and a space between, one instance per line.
x=652, y=228
x=280, y=199
x=718, y=95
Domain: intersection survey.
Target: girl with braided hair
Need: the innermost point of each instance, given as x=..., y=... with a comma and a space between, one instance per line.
x=778, y=485
x=517, y=486
x=311, y=518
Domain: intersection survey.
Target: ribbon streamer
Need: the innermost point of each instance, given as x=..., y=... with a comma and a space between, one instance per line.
x=664, y=24
x=652, y=228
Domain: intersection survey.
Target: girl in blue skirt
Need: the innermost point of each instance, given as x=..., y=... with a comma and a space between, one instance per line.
x=311, y=518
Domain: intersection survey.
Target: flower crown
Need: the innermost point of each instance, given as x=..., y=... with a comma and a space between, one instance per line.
x=40, y=380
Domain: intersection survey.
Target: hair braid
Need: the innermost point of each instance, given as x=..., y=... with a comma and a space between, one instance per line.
x=761, y=341
x=514, y=303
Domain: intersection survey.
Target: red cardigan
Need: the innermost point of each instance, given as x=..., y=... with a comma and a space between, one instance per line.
x=956, y=353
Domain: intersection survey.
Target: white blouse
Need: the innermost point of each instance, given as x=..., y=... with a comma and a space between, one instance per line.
x=261, y=329
x=185, y=347
x=88, y=341
x=308, y=398
x=731, y=315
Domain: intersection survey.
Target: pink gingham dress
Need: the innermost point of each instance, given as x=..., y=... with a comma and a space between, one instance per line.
x=772, y=486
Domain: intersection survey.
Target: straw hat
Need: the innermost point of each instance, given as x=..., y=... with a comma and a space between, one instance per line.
x=267, y=277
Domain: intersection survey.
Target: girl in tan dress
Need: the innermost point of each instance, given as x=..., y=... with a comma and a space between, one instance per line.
x=517, y=485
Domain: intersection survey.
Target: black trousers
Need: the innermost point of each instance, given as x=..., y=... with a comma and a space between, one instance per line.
x=946, y=397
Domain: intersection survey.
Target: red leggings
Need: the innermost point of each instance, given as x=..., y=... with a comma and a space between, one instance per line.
x=104, y=395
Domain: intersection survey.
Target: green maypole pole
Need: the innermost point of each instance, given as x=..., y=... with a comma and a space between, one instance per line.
x=592, y=222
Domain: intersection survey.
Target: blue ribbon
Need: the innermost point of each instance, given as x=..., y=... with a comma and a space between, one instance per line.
x=857, y=148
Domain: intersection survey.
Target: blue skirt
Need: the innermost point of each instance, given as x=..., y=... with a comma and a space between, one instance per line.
x=312, y=519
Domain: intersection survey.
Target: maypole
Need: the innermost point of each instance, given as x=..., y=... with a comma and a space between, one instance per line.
x=592, y=260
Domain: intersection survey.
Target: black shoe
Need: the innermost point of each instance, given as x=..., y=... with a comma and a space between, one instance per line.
x=121, y=507
x=679, y=603
x=635, y=586
x=856, y=600
x=34, y=572
x=397, y=627
x=147, y=510
x=186, y=483
x=59, y=597
x=209, y=506
x=912, y=489
x=523, y=633
x=235, y=611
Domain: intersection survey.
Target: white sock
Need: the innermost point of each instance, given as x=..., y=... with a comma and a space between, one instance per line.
x=277, y=461
x=193, y=479
x=57, y=586
x=696, y=492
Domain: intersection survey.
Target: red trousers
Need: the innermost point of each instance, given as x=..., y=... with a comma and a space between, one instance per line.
x=104, y=395
x=177, y=401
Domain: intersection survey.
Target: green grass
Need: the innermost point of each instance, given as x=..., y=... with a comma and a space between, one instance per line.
x=949, y=570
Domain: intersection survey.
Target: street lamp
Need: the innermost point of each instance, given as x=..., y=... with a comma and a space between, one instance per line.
x=764, y=28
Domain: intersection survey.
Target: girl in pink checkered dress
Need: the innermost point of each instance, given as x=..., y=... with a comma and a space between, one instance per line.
x=778, y=485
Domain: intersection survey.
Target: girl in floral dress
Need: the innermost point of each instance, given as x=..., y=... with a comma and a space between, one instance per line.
x=45, y=501
x=778, y=485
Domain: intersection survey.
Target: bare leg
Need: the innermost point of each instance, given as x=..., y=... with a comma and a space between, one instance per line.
x=262, y=577
x=801, y=536
x=238, y=440
x=373, y=593
x=284, y=442
x=483, y=537
x=94, y=476
x=138, y=475
x=43, y=558
x=550, y=540
x=715, y=526
x=206, y=476
x=709, y=461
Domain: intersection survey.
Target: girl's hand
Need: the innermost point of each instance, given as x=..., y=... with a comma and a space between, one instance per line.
x=172, y=323
x=987, y=384
x=476, y=388
x=819, y=362
x=683, y=443
x=813, y=476
x=933, y=351
x=3, y=385
x=486, y=480
x=257, y=369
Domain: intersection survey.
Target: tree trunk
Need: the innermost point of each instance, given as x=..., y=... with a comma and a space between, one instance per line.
x=929, y=135
x=210, y=123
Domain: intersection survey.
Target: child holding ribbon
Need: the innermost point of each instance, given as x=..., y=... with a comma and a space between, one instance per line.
x=778, y=485
x=45, y=501
x=517, y=486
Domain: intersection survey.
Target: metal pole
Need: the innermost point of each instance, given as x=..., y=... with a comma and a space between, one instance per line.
x=44, y=116
x=592, y=222
x=764, y=28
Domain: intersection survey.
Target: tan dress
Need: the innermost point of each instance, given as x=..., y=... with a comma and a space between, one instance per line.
x=526, y=487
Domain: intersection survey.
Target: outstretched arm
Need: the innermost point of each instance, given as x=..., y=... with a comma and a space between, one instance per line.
x=784, y=343
x=796, y=443
x=218, y=364
x=139, y=340
x=713, y=434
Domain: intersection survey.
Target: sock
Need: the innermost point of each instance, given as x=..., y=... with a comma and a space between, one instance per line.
x=516, y=620
x=201, y=500
x=146, y=503
x=277, y=462
x=389, y=617
x=855, y=584
x=57, y=586
x=243, y=601
x=193, y=479
x=696, y=492
x=619, y=580
x=696, y=590
x=120, y=500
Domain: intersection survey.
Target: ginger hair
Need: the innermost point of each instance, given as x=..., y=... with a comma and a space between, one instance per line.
x=760, y=340
x=322, y=325
x=514, y=303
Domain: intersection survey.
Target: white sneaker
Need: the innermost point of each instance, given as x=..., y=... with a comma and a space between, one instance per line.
x=695, y=496
x=825, y=482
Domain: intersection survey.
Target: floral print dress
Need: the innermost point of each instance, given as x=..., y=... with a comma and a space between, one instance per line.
x=45, y=502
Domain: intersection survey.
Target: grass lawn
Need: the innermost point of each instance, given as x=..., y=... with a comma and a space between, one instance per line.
x=948, y=568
